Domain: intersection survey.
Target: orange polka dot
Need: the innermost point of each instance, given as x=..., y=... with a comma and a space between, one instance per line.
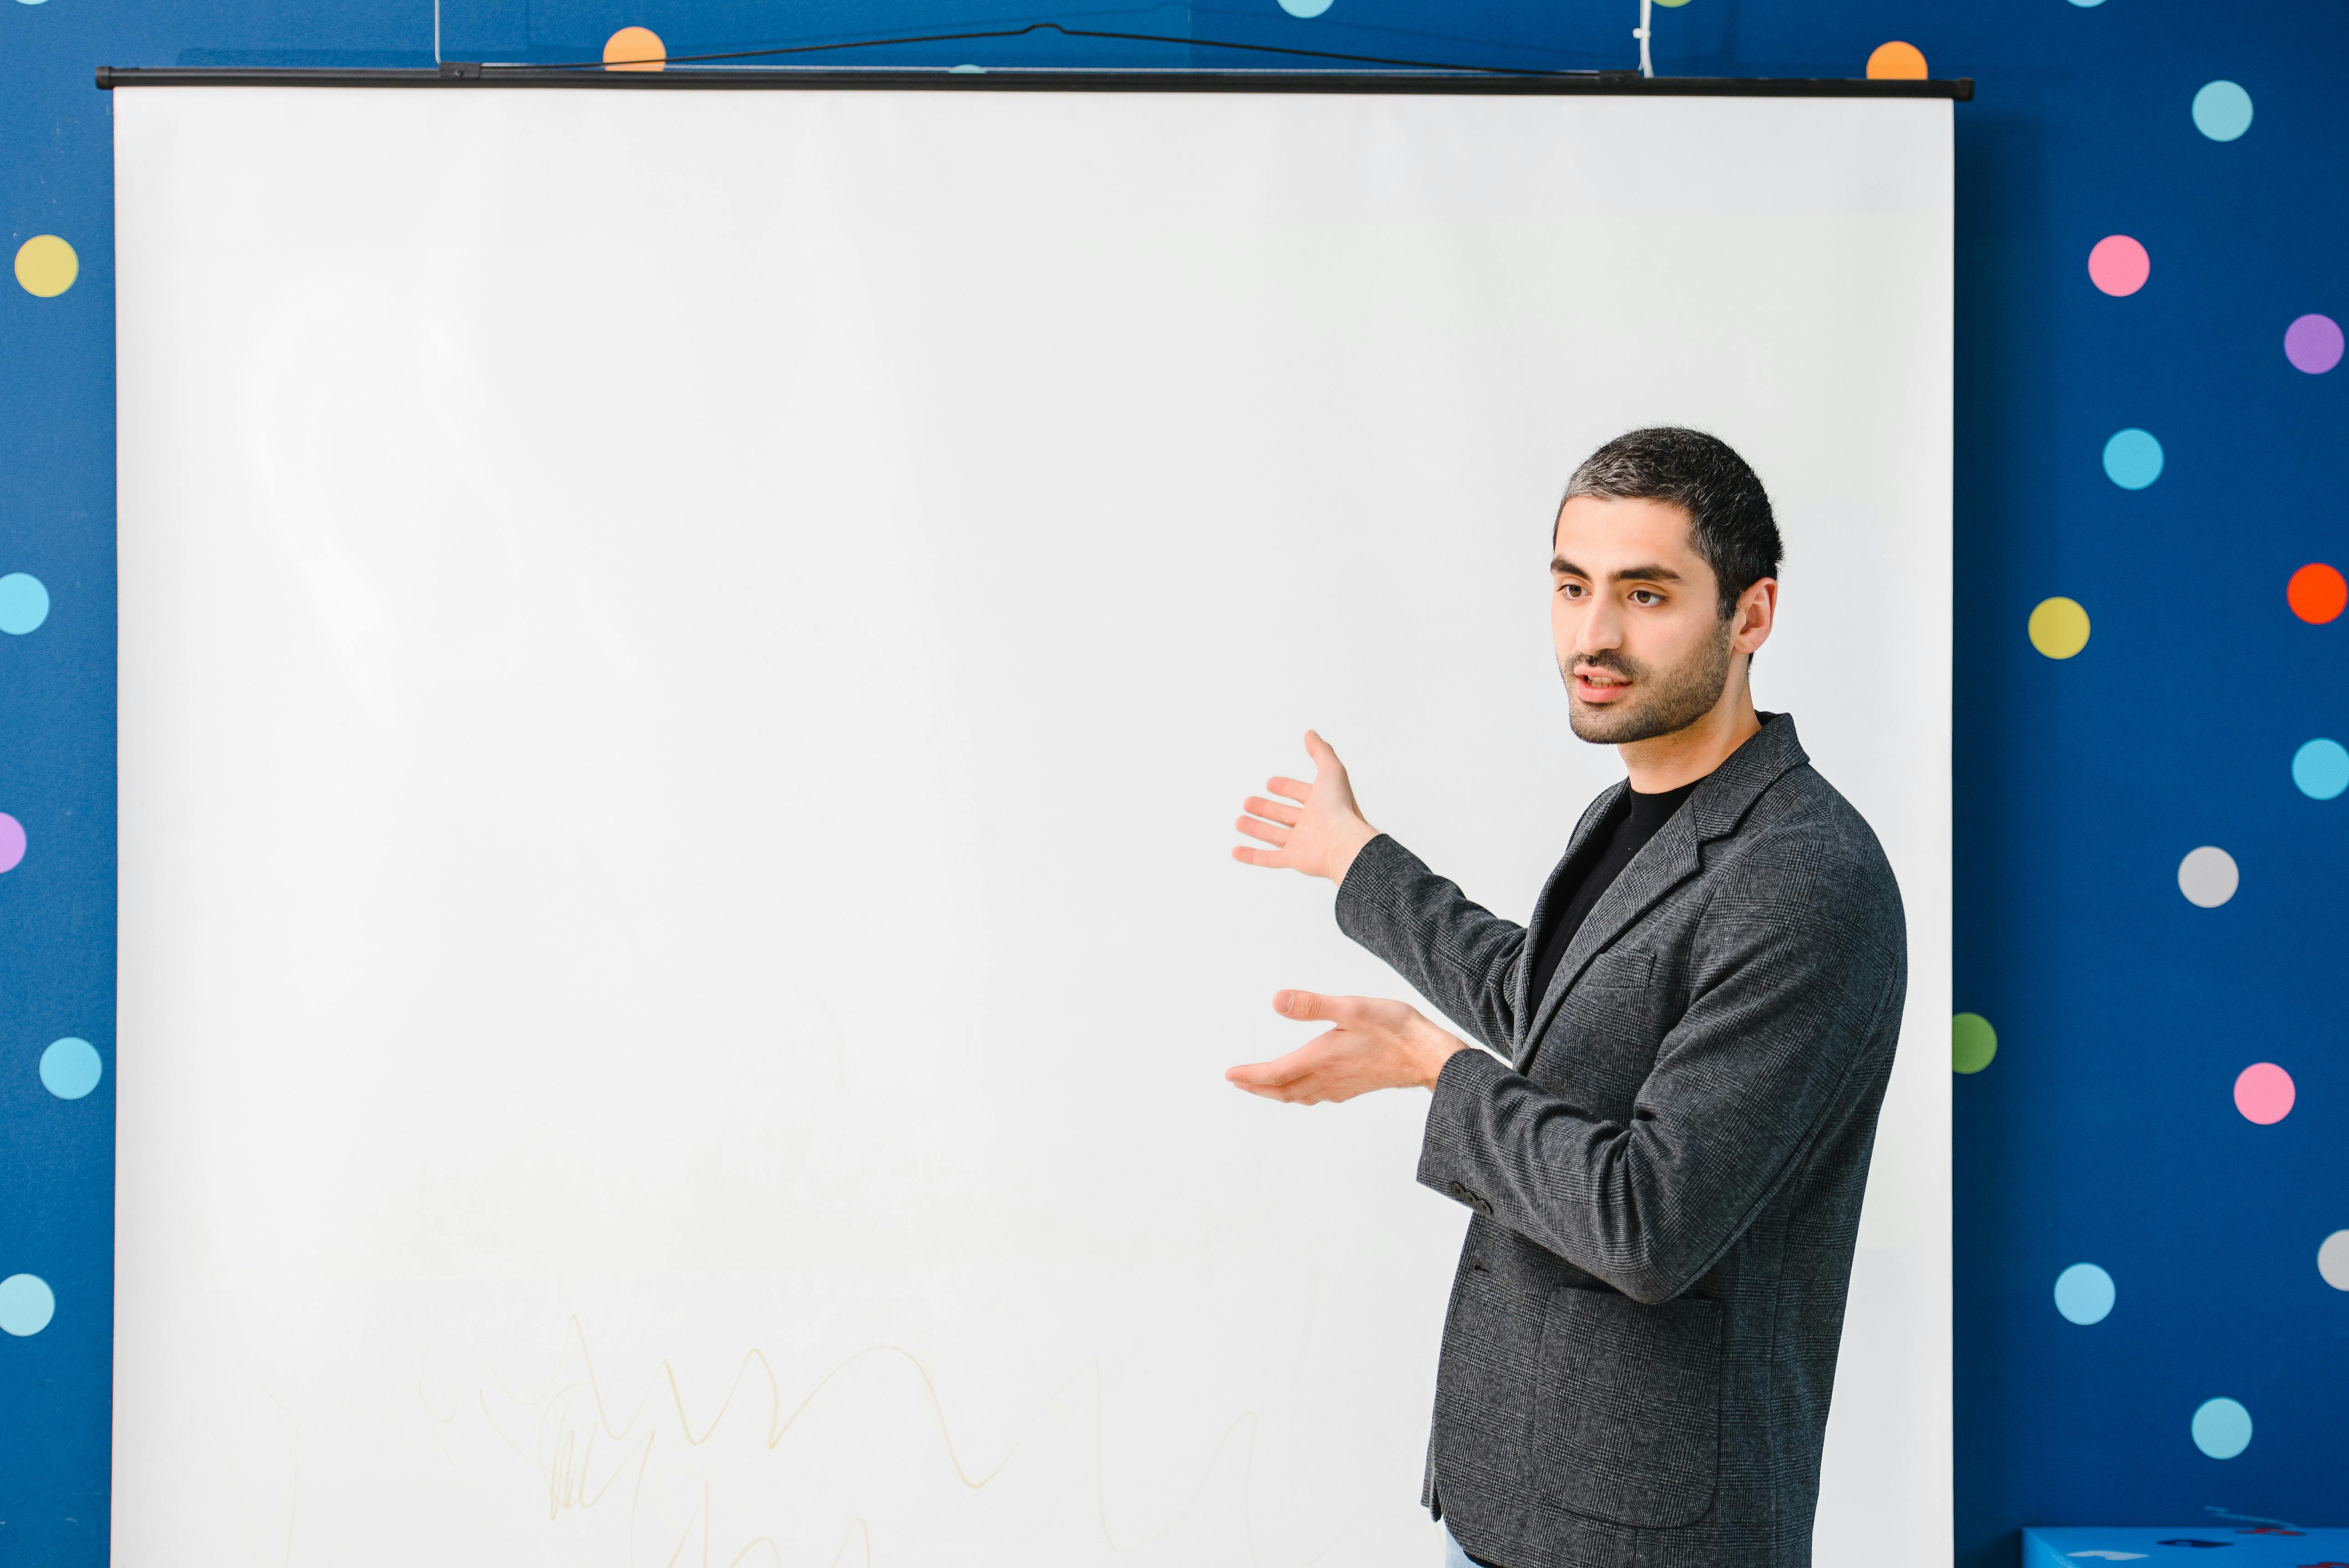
x=638, y=49
x=1897, y=62
x=2316, y=593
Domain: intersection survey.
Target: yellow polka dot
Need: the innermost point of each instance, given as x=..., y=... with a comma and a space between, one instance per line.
x=46, y=266
x=1897, y=62
x=2059, y=627
x=634, y=49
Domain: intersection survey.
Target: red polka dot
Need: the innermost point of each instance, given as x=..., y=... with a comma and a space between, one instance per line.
x=2316, y=593
x=2118, y=265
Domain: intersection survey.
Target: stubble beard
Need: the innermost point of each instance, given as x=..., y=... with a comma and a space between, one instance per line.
x=1662, y=701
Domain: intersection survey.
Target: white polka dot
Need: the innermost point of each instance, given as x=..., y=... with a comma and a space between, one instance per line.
x=2333, y=1259
x=2209, y=877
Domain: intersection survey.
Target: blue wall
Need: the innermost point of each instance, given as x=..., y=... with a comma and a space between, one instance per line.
x=2106, y=1129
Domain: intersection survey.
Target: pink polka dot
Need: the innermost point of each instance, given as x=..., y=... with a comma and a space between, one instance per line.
x=12, y=842
x=2263, y=1093
x=2118, y=265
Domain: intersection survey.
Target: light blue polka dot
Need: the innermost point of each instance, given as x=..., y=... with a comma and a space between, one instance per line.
x=1308, y=8
x=2222, y=1428
x=2133, y=459
x=2222, y=111
x=27, y=1304
x=2321, y=768
x=28, y=2
x=2084, y=1294
x=23, y=603
x=2087, y=2
x=966, y=71
x=70, y=1067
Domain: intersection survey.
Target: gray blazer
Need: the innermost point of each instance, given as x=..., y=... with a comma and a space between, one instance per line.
x=1665, y=1173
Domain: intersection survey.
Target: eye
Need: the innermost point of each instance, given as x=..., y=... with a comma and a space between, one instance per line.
x=1571, y=590
x=1646, y=596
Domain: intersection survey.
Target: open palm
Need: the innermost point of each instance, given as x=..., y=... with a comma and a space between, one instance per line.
x=1371, y=1044
x=1316, y=828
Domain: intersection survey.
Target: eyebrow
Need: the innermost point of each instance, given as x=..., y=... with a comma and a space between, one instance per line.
x=1651, y=573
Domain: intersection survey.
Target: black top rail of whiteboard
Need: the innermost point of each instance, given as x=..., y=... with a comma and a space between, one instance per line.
x=466, y=75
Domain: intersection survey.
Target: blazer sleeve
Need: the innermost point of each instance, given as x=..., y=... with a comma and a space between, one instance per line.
x=1455, y=953
x=1799, y=973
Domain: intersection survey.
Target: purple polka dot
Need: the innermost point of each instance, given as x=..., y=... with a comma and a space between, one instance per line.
x=2313, y=344
x=12, y=842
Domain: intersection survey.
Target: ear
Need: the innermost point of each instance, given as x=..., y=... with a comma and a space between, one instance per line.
x=1756, y=613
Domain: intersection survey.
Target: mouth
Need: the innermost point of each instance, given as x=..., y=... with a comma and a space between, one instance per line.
x=1596, y=685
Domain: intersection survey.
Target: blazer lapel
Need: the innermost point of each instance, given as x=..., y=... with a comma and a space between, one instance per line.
x=1663, y=862
x=1675, y=854
x=1592, y=816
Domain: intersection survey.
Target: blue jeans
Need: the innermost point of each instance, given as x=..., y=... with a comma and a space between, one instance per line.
x=1453, y=1556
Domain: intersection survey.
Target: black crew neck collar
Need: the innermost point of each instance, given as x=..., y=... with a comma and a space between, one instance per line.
x=1661, y=805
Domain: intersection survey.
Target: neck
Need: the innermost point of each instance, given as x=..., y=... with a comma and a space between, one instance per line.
x=1683, y=756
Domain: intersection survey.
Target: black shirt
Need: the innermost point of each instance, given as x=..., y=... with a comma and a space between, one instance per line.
x=1633, y=822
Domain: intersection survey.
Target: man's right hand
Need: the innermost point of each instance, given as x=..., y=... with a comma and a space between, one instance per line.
x=1313, y=828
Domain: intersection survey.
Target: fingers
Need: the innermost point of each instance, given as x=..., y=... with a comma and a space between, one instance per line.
x=1325, y=758
x=1308, y=1006
x=1274, y=810
x=1309, y=1090
x=1270, y=859
x=1266, y=832
x=1273, y=1074
x=1311, y=1086
x=1290, y=789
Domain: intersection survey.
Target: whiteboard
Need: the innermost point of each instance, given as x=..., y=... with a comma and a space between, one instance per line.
x=687, y=663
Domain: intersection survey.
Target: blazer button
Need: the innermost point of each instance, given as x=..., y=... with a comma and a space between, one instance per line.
x=1471, y=1198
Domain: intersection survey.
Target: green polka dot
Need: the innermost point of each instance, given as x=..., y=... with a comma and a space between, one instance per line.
x=1972, y=1042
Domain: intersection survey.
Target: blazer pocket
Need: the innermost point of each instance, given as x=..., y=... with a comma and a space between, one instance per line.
x=1618, y=969
x=1626, y=1410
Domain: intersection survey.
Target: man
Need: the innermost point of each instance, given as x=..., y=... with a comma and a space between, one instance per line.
x=1665, y=1171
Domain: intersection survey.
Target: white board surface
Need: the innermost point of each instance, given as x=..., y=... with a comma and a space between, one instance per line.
x=687, y=663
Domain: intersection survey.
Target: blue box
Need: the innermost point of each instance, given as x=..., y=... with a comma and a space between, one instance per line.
x=2235, y=1544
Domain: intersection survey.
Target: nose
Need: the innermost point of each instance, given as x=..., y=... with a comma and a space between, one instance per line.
x=1601, y=627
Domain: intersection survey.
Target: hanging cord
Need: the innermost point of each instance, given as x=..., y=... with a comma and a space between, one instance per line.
x=1022, y=33
x=1643, y=32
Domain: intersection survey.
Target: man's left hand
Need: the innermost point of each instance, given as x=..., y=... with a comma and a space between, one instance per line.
x=1371, y=1044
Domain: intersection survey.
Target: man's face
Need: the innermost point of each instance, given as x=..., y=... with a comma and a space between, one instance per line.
x=1636, y=614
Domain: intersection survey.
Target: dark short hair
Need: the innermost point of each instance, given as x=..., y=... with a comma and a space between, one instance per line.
x=1729, y=512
